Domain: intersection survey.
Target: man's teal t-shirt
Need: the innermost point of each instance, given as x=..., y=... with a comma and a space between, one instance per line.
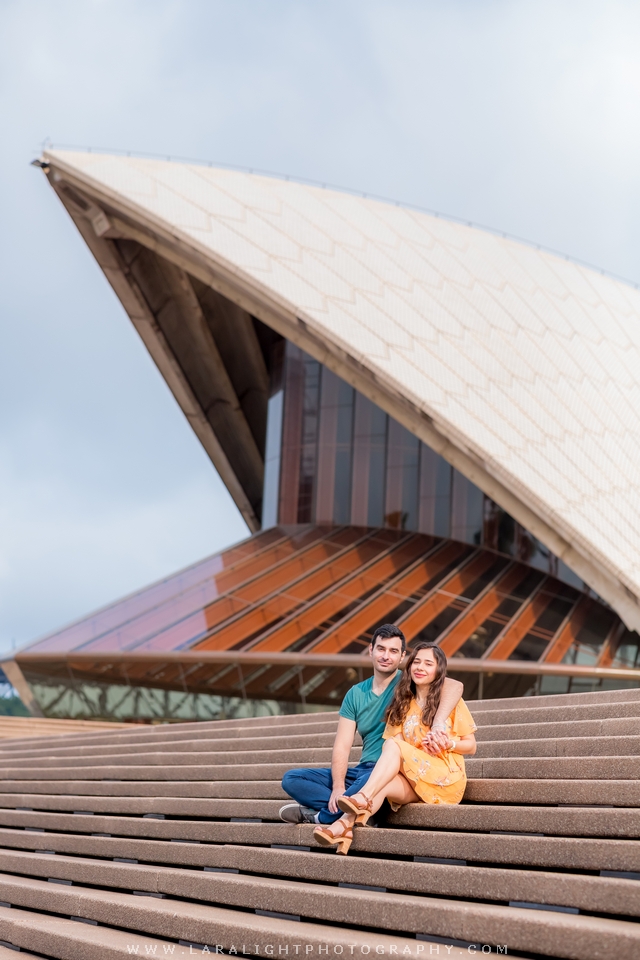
x=362, y=705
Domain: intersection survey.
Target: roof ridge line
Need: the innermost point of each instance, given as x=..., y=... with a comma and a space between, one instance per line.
x=324, y=185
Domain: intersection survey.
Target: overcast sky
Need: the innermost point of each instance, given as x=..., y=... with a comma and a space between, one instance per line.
x=518, y=114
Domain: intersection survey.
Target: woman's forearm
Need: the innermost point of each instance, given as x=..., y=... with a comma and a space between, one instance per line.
x=465, y=745
x=452, y=690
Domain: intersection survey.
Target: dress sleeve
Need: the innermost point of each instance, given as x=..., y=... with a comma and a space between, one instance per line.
x=391, y=730
x=462, y=721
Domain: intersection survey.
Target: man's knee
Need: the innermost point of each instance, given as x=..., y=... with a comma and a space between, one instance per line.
x=290, y=778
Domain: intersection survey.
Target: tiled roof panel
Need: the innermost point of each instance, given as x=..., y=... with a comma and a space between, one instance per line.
x=530, y=361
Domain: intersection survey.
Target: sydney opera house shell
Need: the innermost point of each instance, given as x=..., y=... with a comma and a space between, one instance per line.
x=420, y=422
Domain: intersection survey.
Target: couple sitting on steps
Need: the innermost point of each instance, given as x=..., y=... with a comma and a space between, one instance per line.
x=416, y=757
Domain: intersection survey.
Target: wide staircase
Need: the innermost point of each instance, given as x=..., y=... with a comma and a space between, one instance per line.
x=165, y=841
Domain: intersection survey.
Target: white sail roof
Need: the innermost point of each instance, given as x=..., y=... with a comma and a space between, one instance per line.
x=521, y=368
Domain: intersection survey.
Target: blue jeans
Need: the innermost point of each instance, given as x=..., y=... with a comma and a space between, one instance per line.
x=312, y=787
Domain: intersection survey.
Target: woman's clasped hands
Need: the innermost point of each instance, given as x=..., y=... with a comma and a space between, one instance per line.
x=436, y=742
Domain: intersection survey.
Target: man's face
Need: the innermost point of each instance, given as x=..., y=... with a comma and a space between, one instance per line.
x=387, y=654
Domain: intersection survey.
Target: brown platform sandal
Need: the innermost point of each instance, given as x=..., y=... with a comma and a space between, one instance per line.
x=362, y=811
x=342, y=841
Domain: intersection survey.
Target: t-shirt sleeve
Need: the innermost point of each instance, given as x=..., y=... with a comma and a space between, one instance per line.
x=462, y=721
x=391, y=730
x=348, y=708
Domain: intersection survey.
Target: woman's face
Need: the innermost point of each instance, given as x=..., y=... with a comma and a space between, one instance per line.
x=424, y=668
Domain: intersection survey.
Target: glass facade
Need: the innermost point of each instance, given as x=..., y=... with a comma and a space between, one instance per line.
x=75, y=698
x=625, y=650
x=335, y=457
x=362, y=525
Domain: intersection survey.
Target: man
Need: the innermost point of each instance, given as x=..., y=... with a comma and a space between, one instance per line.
x=363, y=708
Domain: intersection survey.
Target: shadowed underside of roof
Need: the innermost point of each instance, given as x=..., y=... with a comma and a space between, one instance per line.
x=288, y=616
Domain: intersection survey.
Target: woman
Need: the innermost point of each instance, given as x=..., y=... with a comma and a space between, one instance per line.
x=411, y=770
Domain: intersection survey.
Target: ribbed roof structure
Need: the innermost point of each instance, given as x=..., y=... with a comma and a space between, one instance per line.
x=520, y=368
x=287, y=616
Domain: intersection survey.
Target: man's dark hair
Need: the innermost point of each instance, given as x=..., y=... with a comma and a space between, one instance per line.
x=386, y=632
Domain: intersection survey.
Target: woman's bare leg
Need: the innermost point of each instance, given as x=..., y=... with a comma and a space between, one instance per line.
x=398, y=791
x=401, y=791
x=384, y=771
x=346, y=820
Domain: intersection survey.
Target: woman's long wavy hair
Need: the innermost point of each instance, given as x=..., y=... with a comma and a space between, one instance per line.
x=406, y=689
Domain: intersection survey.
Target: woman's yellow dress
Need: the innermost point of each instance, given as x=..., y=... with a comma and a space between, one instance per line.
x=440, y=779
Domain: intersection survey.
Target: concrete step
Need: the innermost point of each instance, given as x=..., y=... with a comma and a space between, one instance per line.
x=209, y=749
x=562, y=712
x=523, y=929
x=25, y=727
x=493, y=856
x=558, y=852
x=589, y=894
x=208, y=729
x=178, y=853
x=610, y=727
x=546, y=768
x=558, y=699
x=9, y=953
x=550, y=821
x=247, y=789
x=204, y=924
x=569, y=852
x=556, y=821
x=59, y=937
x=555, y=768
x=205, y=831
x=202, y=745
x=299, y=756
x=620, y=746
x=181, y=807
x=295, y=756
x=69, y=940
x=201, y=771
x=618, y=793
x=164, y=736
